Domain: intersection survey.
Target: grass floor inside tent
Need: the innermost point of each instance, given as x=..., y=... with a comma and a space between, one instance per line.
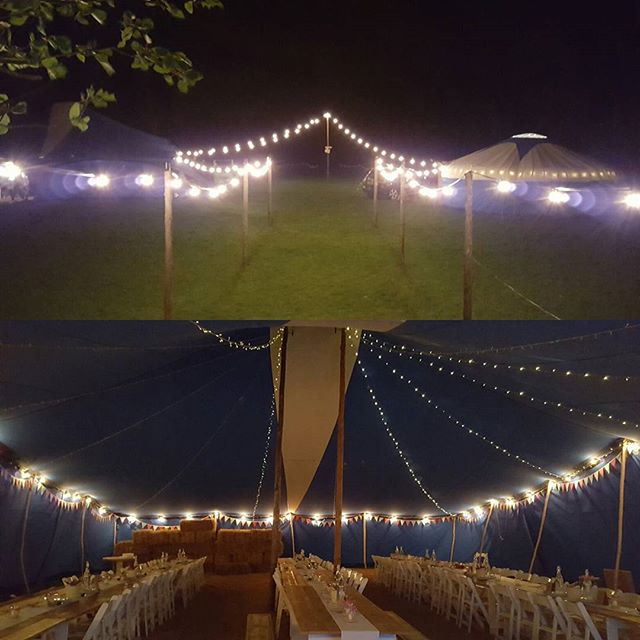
x=321, y=258
x=220, y=609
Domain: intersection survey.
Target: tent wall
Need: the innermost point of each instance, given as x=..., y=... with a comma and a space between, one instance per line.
x=54, y=543
x=580, y=533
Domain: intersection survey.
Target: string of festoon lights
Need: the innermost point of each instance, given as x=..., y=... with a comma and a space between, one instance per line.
x=196, y=156
x=465, y=427
x=239, y=344
x=590, y=470
x=556, y=196
x=517, y=394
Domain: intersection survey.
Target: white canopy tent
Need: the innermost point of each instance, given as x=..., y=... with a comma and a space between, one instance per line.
x=531, y=157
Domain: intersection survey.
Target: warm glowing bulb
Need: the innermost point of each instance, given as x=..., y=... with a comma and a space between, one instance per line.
x=504, y=186
x=145, y=180
x=162, y=518
x=194, y=192
x=556, y=196
x=101, y=181
x=176, y=183
x=633, y=447
x=326, y=115
x=367, y=516
x=234, y=182
x=10, y=170
x=632, y=200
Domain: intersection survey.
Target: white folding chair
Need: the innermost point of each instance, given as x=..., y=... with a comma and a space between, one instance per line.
x=580, y=625
x=548, y=622
x=471, y=606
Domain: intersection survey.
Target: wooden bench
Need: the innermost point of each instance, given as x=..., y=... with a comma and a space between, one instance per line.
x=259, y=627
x=408, y=632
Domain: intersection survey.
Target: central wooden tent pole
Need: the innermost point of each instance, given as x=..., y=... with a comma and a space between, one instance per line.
x=168, y=243
x=467, y=297
x=542, y=521
x=623, y=475
x=337, y=541
x=327, y=149
x=275, y=527
x=376, y=179
x=245, y=213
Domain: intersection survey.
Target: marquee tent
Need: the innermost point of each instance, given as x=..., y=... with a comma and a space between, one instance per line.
x=531, y=157
x=147, y=419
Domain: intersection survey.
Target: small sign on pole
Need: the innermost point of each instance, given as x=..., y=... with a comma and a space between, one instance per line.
x=168, y=243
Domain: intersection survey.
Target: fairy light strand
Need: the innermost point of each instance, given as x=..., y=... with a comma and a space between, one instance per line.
x=396, y=445
x=521, y=395
x=238, y=344
x=265, y=456
x=464, y=427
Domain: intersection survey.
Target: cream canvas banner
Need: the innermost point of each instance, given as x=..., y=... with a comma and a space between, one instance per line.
x=312, y=393
x=311, y=399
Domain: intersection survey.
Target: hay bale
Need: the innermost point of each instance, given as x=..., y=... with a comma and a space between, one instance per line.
x=196, y=525
x=142, y=536
x=188, y=537
x=123, y=547
x=204, y=537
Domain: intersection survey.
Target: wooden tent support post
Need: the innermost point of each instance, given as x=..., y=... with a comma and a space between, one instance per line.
x=270, y=194
x=534, y=555
x=293, y=538
x=23, y=538
x=453, y=538
x=168, y=243
x=364, y=540
x=245, y=214
x=275, y=528
x=486, y=528
x=403, y=224
x=623, y=475
x=337, y=541
x=376, y=180
x=467, y=296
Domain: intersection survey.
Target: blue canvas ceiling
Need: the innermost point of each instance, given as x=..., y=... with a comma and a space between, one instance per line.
x=158, y=418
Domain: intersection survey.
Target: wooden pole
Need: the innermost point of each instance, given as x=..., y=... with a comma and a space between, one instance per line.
x=275, y=530
x=623, y=475
x=364, y=540
x=486, y=528
x=168, y=243
x=467, y=302
x=542, y=521
x=293, y=539
x=245, y=214
x=337, y=541
x=376, y=180
x=270, y=189
x=327, y=151
x=402, y=216
x=453, y=539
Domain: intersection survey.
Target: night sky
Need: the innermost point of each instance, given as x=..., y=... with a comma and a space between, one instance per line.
x=440, y=78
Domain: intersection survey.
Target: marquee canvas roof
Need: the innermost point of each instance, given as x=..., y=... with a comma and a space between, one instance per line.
x=530, y=157
x=161, y=418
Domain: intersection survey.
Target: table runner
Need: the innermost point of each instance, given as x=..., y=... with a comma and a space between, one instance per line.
x=21, y=615
x=357, y=629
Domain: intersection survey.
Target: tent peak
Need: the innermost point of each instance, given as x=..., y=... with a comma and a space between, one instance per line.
x=534, y=136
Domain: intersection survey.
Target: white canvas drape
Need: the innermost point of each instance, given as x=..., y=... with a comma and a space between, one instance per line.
x=311, y=401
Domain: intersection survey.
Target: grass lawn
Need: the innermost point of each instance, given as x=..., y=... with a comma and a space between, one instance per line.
x=320, y=259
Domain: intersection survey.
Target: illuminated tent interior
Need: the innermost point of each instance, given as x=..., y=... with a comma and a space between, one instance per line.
x=531, y=157
x=440, y=417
